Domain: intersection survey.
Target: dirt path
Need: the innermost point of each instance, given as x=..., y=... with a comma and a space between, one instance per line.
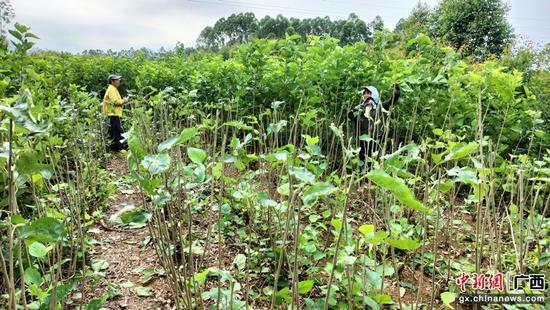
x=124, y=259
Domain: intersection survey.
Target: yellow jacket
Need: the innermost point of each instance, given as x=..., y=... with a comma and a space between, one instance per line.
x=112, y=102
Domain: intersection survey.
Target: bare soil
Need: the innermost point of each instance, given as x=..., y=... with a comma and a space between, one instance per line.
x=128, y=252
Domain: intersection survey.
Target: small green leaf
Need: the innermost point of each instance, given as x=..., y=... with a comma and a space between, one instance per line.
x=365, y=138
x=374, y=278
x=142, y=291
x=185, y=135
x=447, y=298
x=240, y=261
x=156, y=164
x=302, y=174
x=32, y=276
x=336, y=223
x=37, y=249
x=168, y=143
x=377, y=237
x=134, y=144
x=386, y=269
x=305, y=286
x=131, y=216
x=150, y=273
x=285, y=294
x=398, y=188
x=17, y=219
x=460, y=150
x=127, y=284
x=404, y=244
x=99, y=264
x=320, y=189
x=45, y=230
x=20, y=115
x=196, y=155
x=366, y=229
x=382, y=299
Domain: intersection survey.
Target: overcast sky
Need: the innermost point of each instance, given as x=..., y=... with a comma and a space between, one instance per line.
x=76, y=25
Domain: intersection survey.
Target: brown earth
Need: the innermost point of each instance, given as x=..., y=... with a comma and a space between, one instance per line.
x=128, y=252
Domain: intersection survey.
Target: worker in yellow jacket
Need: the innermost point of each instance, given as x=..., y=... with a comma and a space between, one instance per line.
x=112, y=107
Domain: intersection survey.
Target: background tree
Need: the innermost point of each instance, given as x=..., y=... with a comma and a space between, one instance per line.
x=273, y=27
x=418, y=22
x=477, y=27
x=239, y=28
x=6, y=15
x=376, y=25
x=235, y=29
x=352, y=30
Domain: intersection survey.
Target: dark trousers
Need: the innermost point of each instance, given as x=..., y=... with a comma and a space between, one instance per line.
x=115, y=133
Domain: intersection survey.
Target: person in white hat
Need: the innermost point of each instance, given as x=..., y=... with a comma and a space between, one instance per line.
x=370, y=119
x=112, y=107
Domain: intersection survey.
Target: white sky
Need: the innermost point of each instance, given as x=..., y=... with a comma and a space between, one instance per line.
x=76, y=25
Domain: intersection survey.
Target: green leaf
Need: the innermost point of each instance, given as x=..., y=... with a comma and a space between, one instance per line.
x=302, y=174
x=131, y=216
x=142, y=291
x=240, y=261
x=305, y=286
x=464, y=175
x=366, y=229
x=37, y=249
x=19, y=113
x=447, y=298
x=398, y=188
x=196, y=155
x=99, y=264
x=337, y=130
x=385, y=269
x=264, y=199
x=16, y=34
x=156, y=164
x=36, y=291
x=161, y=198
x=377, y=237
x=371, y=303
x=134, y=144
x=150, y=273
x=336, y=223
x=382, y=299
x=366, y=138
x=185, y=135
x=285, y=294
x=317, y=190
x=404, y=244
x=17, y=219
x=460, y=150
x=374, y=278
x=21, y=28
x=45, y=230
x=127, y=284
x=32, y=276
x=168, y=143
x=31, y=35
x=97, y=303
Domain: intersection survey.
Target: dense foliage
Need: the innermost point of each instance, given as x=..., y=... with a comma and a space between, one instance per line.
x=243, y=27
x=477, y=28
x=251, y=172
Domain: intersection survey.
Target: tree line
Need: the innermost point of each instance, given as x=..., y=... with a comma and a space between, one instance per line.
x=243, y=27
x=477, y=28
